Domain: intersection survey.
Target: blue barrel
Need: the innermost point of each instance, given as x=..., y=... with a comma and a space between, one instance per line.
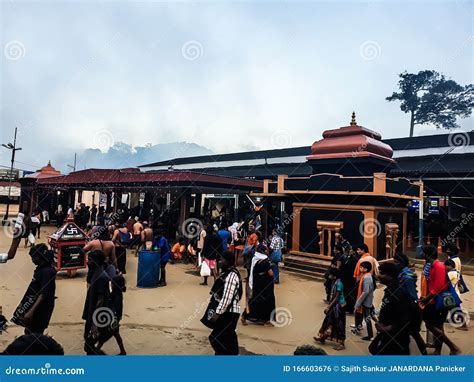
x=148, y=275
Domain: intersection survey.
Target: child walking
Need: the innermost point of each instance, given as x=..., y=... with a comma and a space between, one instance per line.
x=334, y=324
x=364, y=304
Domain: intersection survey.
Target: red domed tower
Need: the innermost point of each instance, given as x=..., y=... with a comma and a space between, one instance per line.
x=350, y=150
x=47, y=171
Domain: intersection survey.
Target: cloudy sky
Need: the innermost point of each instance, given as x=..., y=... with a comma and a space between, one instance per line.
x=229, y=76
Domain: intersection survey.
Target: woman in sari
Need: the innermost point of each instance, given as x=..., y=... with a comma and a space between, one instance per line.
x=262, y=300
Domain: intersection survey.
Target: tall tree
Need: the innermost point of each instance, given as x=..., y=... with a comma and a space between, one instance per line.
x=430, y=98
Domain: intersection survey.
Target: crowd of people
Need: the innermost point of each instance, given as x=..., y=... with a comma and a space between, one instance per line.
x=351, y=282
x=216, y=249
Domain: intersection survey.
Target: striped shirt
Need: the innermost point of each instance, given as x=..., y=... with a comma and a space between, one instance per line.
x=230, y=296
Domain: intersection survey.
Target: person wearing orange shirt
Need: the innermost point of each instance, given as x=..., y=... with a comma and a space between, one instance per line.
x=363, y=252
x=178, y=249
x=252, y=238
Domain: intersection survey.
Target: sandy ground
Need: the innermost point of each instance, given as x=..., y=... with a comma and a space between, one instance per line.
x=166, y=320
x=13, y=210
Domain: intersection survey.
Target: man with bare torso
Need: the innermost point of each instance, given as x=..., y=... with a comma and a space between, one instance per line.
x=102, y=242
x=147, y=236
x=137, y=233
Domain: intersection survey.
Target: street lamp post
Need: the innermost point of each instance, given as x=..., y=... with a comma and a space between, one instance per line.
x=421, y=242
x=14, y=149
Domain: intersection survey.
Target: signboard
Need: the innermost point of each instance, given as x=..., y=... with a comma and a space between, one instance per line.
x=220, y=196
x=14, y=192
x=71, y=256
x=6, y=174
x=103, y=199
x=69, y=232
x=413, y=205
x=433, y=207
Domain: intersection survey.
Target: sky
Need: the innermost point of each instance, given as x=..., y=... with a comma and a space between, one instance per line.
x=229, y=76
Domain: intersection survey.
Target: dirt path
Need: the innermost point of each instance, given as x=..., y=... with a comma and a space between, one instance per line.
x=166, y=320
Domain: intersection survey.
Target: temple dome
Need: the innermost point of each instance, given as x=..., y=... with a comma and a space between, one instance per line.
x=351, y=141
x=47, y=171
x=350, y=150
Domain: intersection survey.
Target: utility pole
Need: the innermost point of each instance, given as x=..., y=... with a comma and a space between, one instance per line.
x=14, y=149
x=420, y=222
x=74, y=166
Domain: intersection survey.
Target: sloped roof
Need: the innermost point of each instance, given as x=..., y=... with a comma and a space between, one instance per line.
x=69, y=231
x=130, y=176
x=47, y=171
x=397, y=144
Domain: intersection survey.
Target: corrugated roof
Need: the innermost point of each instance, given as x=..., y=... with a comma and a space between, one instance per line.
x=246, y=155
x=421, y=142
x=105, y=176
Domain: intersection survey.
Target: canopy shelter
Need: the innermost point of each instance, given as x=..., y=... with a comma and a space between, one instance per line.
x=180, y=190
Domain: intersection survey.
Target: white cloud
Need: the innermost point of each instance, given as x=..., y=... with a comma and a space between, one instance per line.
x=268, y=73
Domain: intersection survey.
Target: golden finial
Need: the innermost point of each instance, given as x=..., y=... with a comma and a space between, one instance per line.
x=353, y=120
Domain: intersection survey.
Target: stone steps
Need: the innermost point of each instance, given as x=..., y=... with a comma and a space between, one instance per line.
x=305, y=265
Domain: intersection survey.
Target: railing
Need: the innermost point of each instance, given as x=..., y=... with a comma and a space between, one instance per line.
x=465, y=245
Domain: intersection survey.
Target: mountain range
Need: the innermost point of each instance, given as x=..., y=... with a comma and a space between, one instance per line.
x=123, y=155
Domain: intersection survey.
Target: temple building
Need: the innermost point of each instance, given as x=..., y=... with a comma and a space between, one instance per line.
x=44, y=172
x=348, y=195
x=443, y=162
x=348, y=178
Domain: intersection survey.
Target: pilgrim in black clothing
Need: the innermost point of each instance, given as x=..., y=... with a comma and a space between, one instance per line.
x=393, y=324
x=37, y=305
x=97, y=300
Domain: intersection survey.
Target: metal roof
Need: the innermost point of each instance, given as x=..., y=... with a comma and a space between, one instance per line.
x=132, y=177
x=397, y=144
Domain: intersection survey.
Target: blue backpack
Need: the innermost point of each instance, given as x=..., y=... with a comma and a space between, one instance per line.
x=125, y=237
